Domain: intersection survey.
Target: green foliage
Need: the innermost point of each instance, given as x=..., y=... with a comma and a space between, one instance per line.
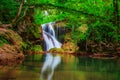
x=28, y=46
x=33, y=31
x=103, y=31
x=53, y=15
x=36, y=48
x=8, y=9
x=79, y=35
x=99, y=29
x=3, y=40
x=24, y=46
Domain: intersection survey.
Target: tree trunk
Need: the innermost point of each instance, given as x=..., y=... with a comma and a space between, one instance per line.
x=116, y=13
x=116, y=20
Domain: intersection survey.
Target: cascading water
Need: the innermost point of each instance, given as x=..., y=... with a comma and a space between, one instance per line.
x=50, y=40
x=49, y=36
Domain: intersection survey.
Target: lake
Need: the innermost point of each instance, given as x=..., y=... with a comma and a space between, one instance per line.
x=69, y=67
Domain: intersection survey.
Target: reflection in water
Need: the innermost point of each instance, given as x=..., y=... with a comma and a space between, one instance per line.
x=66, y=67
x=50, y=64
x=51, y=61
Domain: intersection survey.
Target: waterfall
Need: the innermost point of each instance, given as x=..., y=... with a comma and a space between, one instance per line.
x=49, y=36
x=50, y=40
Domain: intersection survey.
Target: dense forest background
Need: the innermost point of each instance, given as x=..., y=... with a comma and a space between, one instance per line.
x=94, y=25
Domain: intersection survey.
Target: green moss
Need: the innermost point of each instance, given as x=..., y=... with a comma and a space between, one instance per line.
x=55, y=50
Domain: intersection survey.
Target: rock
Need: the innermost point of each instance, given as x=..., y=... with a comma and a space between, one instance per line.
x=56, y=50
x=12, y=37
x=69, y=47
x=10, y=53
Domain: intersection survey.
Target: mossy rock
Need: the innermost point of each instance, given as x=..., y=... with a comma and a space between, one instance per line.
x=56, y=50
x=14, y=41
x=69, y=47
x=10, y=50
x=10, y=55
x=11, y=36
x=36, y=48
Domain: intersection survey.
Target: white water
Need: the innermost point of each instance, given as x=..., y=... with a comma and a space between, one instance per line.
x=49, y=36
x=50, y=40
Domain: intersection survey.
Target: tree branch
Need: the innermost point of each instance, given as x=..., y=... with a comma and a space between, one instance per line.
x=15, y=19
x=18, y=14
x=23, y=14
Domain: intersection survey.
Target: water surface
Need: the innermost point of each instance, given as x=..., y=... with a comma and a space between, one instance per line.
x=69, y=68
